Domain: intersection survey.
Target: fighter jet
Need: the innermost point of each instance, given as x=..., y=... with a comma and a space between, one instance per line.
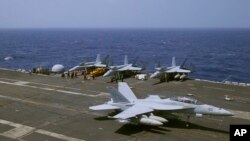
x=98, y=63
x=140, y=111
x=122, y=68
x=174, y=72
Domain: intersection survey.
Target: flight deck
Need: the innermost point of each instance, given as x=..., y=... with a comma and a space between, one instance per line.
x=52, y=108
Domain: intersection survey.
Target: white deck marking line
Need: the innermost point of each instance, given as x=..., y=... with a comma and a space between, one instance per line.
x=240, y=98
x=75, y=93
x=241, y=114
x=21, y=82
x=220, y=120
x=18, y=132
x=210, y=87
x=10, y=98
x=50, y=89
x=22, y=130
x=103, y=94
x=41, y=84
x=10, y=123
x=56, y=135
x=62, y=107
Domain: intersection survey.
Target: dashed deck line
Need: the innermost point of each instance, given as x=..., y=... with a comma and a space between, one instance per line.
x=56, y=135
x=48, y=89
x=21, y=131
x=62, y=107
x=40, y=83
x=216, y=88
x=18, y=132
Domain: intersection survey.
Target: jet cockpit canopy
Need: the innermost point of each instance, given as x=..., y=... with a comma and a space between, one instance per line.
x=186, y=100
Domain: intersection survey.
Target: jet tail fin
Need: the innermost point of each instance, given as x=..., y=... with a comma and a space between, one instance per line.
x=105, y=60
x=158, y=64
x=125, y=90
x=98, y=58
x=125, y=60
x=183, y=63
x=116, y=96
x=173, y=62
x=144, y=65
x=135, y=61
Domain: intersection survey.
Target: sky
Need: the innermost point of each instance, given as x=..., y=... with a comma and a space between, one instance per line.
x=124, y=13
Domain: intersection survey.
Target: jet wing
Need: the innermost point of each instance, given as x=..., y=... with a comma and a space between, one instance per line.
x=103, y=107
x=178, y=70
x=129, y=67
x=76, y=68
x=100, y=65
x=164, y=107
x=133, y=111
x=124, y=89
x=147, y=107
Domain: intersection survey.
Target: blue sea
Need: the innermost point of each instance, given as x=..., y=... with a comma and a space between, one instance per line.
x=214, y=54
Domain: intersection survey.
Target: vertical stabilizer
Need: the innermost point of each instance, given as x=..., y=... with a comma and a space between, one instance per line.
x=116, y=96
x=125, y=60
x=105, y=60
x=135, y=61
x=158, y=64
x=173, y=62
x=124, y=89
x=183, y=63
x=98, y=58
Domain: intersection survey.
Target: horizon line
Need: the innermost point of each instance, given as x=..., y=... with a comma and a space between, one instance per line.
x=117, y=28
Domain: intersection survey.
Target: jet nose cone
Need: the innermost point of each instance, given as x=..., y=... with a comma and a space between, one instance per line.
x=154, y=75
x=107, y=73
x=226, y=112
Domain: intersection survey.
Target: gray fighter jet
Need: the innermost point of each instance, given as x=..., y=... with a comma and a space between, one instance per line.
x=121, y=68
x=176, y=72
x=140, y=111
x=98, y=63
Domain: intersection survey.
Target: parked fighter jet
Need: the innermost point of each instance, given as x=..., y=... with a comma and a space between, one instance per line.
x=121, y=68
x=173, y=72
x=140, y=111
x=97, y=63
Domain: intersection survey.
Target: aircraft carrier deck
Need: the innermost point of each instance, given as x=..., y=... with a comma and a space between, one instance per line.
x=38, y=108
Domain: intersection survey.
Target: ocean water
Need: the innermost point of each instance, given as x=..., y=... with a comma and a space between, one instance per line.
x=214, y=54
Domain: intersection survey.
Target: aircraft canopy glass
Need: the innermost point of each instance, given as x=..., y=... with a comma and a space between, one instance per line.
x=186, y=100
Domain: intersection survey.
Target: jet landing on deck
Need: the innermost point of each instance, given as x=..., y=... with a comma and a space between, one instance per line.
x=140, y=111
